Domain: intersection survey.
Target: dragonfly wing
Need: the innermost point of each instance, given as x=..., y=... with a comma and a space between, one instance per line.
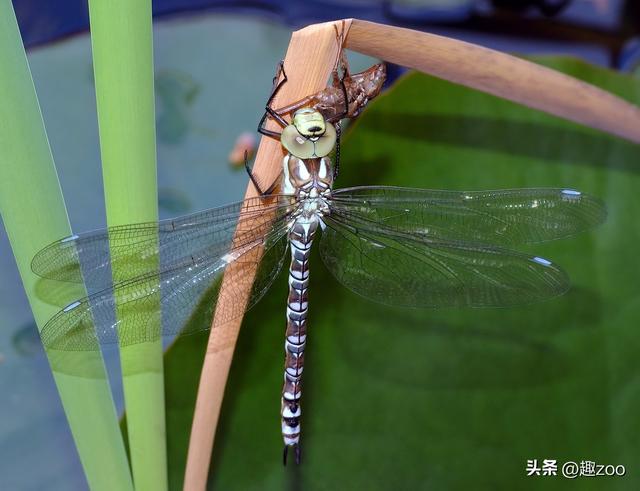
x=403, y=269
x=173, y=302
x=504, y=217
x=120, y=253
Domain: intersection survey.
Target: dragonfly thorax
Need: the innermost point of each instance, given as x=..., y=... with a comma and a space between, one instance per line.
x=307, y=177
x=310, y=181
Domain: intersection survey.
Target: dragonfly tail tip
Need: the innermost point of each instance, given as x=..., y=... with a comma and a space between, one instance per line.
x=297, y=450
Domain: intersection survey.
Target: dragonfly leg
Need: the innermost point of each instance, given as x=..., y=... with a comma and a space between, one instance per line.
x=346, y=97
x=341, y=60
x=267, y=192
x=270, y=133
x=269, y=111
x=343, y=64
x=251, y=176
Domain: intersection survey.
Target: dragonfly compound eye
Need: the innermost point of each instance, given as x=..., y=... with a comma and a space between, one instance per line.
x=305, y=147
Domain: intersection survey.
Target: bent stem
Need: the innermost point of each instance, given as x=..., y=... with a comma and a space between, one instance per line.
x=499, y=74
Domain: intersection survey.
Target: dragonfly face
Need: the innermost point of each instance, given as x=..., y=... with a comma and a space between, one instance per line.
x=309, y=122
x=309, y=135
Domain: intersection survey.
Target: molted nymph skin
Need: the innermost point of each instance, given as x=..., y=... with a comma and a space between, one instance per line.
x=302, y=139
x=361, y=88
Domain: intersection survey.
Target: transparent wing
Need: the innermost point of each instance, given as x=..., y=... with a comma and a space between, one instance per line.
x=120, y=253
x=175, y=301
x=504, y=217
x=403, y=269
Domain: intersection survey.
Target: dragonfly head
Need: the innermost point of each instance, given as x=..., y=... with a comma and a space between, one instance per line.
x=309, y=135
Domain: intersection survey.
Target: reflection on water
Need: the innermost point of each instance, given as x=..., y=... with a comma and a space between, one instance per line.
x=465, y=348
x=26, y=340
x=177, y=91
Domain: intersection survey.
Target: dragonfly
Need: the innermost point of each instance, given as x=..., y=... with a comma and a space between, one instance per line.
x=393, y=245
x=345, y=98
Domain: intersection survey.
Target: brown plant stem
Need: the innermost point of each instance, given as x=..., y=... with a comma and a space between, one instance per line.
x=499, y=74
x=309, y=61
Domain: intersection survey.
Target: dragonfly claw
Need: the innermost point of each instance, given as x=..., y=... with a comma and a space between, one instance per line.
x=297, y=450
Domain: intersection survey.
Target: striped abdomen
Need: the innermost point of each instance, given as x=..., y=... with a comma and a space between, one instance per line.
x=300, y=238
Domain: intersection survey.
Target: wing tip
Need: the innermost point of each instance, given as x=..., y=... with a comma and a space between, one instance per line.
x=40, y=261
x=597, y=208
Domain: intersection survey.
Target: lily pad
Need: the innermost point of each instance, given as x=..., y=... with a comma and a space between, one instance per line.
x=448, y=399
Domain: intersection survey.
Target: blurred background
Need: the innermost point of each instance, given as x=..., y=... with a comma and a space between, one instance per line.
x=452, y=401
